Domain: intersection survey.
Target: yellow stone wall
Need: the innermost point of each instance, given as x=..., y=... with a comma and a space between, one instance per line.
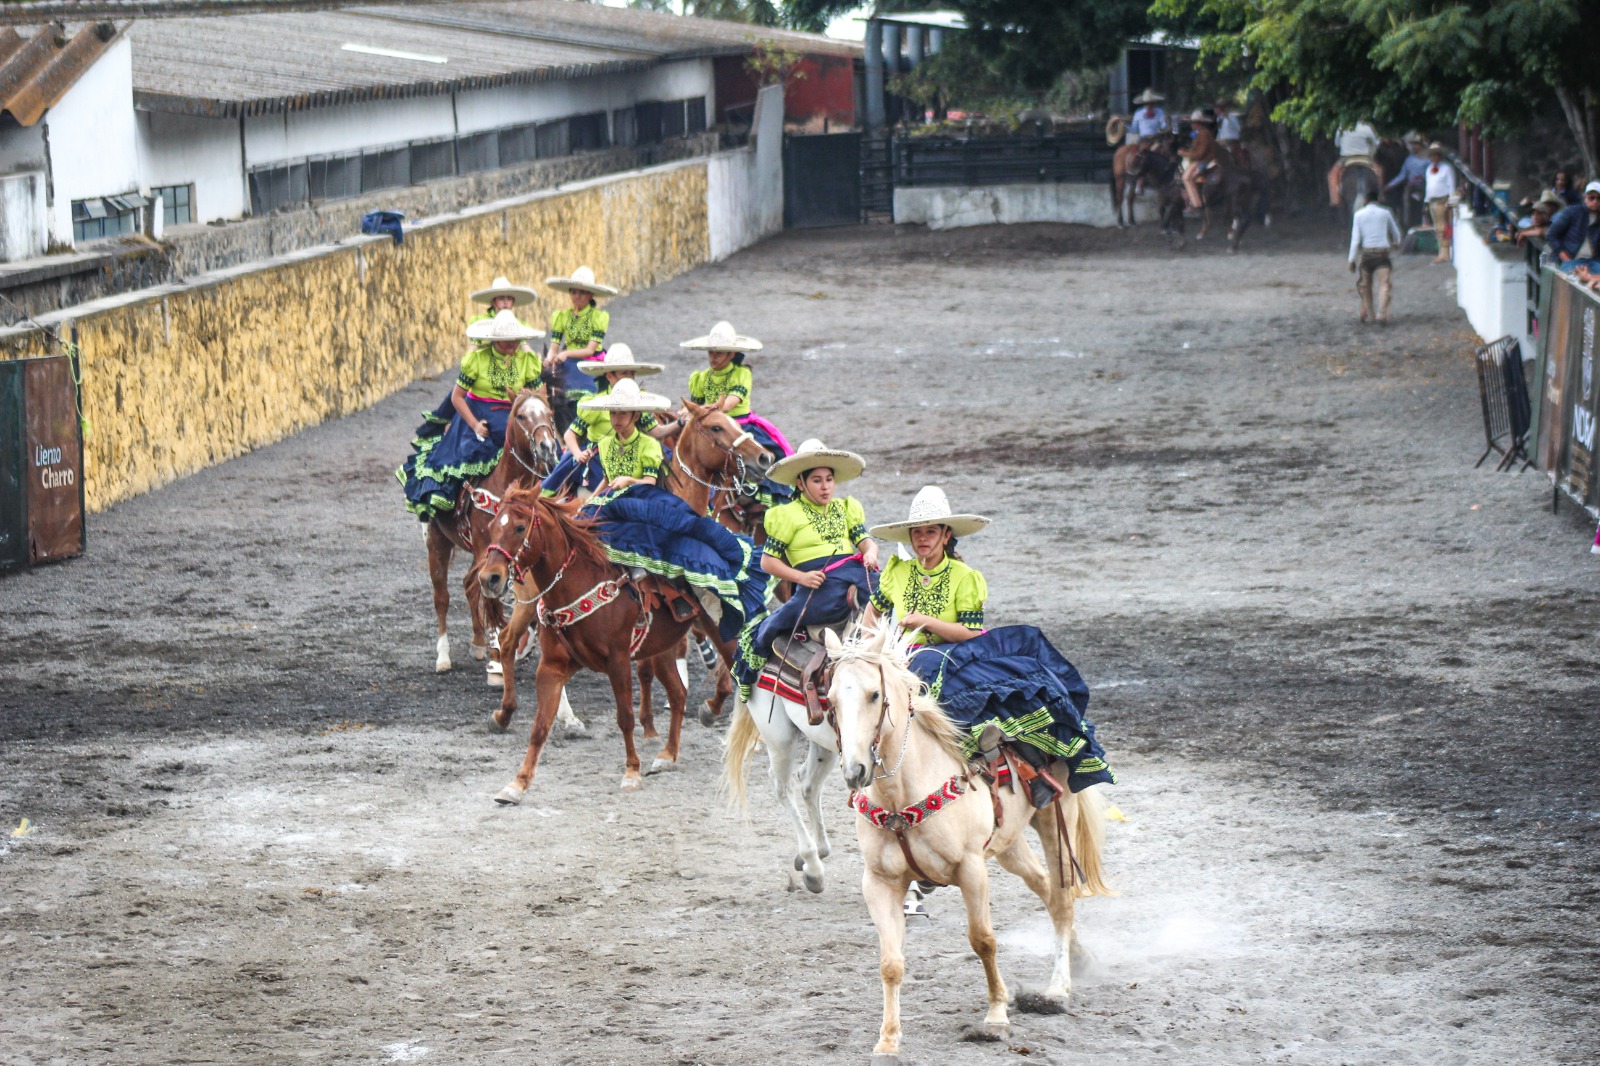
x=175, y=383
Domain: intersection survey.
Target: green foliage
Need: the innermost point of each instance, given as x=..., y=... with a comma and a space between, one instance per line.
x=755, y=12
x=773, y=64
x=1027, y=44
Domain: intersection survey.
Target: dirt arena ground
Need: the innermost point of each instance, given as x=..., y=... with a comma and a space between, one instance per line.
x=1350, y=685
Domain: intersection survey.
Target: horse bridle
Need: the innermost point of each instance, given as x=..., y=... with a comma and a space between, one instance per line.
x=534, y=438
x=739, y=482
x=514, y=562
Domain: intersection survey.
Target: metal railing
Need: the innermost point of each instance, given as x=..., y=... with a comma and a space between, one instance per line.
x=924, y=161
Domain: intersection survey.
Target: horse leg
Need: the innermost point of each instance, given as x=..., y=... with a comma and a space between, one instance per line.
x=620, y=671
x=548, y=682
x=439, y=551
x=569, y=721
x=722, y=677
x=475, y=608
x=780, y=766
x=883, y=899
x=647, y=678
x=819, y=764
x=677, y=696
x=972, y=877
x=1021, y=860
x=509, y=638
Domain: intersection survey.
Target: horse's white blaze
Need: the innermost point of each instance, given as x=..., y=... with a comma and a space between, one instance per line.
x=441, y=664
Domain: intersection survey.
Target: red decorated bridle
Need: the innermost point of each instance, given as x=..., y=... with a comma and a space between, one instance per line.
x=514, y=563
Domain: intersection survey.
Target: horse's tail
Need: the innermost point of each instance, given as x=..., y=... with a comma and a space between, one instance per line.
x=1088, y=831
x=737, y=747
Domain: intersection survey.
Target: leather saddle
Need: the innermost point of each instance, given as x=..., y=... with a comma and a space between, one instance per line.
x=799, y=665
x=654, y=593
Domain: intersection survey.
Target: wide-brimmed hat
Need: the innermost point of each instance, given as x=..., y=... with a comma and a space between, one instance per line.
x=811, y=454
x=1149, y=96
x=626, y=395
x=722, y=338
x=1202, y=115
x=582, y=278
x=1436, y=147
x=520, y=294
x=1414, y=138
x=929, y=507
x=504, y=326
x=618, y=357
x=1550, y=200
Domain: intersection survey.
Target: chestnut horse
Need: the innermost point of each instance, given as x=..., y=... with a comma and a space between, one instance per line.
x=530, y=452
x=713, y=458
x=1150, y=163
x=1227, y=187
x=554, y=562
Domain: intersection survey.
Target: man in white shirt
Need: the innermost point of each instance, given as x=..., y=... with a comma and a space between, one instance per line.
x=1373, y=234
x=1356, y=145
x=1439, y=183
x=1149, y=119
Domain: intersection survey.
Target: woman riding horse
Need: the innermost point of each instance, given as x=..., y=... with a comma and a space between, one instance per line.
x=448, y=452
x=581, y=466
x=577, y=333
x=997, y=685
x=501, y=296
x=814, y=538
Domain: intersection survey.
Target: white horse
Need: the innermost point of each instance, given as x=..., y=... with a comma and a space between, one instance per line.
x=904, y=758
x=784, y=726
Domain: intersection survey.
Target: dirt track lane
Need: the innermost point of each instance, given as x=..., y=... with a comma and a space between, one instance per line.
x=1349, y=684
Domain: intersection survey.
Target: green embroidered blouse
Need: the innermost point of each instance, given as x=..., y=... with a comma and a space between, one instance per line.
x=639, y=456
x=709, y=386
x=487, y=373
x=800, y=531
x=950, y=592
x=593, y=427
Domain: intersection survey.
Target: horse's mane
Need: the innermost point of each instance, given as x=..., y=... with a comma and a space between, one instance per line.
x=580, y=531
x=892, y=658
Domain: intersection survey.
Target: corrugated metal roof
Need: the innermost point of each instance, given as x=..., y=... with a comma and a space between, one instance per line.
x=268, y=62
x=37, y=70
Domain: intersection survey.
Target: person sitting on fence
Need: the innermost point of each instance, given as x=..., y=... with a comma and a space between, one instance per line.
x=1537, y=224
x=1574, y=234
x=1373, y=235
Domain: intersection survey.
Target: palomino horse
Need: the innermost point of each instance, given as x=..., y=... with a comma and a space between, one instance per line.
x=922, y=812
x=1226, y=187
x=712, y=456
x=543, y=551
x=530, y=452
x=1146, y=163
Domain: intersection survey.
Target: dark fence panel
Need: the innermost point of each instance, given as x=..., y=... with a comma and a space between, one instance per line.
x=822, y=180
x=1075, y=157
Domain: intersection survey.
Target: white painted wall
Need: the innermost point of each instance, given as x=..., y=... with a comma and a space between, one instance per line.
x=510, y=105
x=949, y=207
x=744, y=188
x=334, y=130
x=1490, y=289
x=93, y=144
x=24, y=218
x=190, y=150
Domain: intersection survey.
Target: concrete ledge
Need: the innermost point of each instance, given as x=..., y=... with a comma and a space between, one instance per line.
x=950, y=207
x=1491, y=284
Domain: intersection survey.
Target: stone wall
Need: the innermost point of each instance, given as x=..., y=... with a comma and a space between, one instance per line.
x=180, y=377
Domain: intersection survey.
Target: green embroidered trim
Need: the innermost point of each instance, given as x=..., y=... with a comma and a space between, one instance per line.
x=970, y=619
x=858, y=533
x=931, y=598
x=422, y=468
x=829, y=523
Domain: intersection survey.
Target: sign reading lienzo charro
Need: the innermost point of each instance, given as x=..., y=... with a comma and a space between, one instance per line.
x=54, y=457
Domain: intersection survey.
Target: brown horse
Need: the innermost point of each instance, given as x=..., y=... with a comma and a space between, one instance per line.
x=1227, y=188
x=1146, y=163
x=713, y=459
x=589, y=619
x=530, y=452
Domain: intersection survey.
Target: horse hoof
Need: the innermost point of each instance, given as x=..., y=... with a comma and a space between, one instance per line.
x=799, y=863
x=631, y=783
x=480, y=651
x=498, y=724
x=494, y=679
x=813, y=883
x=442, y=666
x=509, y=796
x=997, y=1030
x=572, y=725
x=662, y=765
x=707, y=718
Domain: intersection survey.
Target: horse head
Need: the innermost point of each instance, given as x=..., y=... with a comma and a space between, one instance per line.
x=532, y=429
x=516, y=538
x=869, y=693
x=712, y=441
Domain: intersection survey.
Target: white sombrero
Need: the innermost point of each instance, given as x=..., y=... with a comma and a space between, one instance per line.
x=502, y=286
x=722, y=338
x=582, y=278
x=930, y=507
x=504, y=326
x=626, y=395
x=813, y=453
x=618, y=357
x=1149, y=96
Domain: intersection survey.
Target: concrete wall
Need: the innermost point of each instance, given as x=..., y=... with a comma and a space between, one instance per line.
x=93, y=143
x=190, y=150
x=179, y=377
x=949, y=207
x=745, y=188
x=1491, y=285
x=510, y=105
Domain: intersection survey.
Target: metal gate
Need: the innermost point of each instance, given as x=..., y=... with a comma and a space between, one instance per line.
x=821, y=180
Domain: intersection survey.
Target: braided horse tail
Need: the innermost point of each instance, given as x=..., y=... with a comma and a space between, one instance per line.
x=737, y=749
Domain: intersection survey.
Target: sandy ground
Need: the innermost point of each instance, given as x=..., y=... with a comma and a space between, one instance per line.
x=1348, y=681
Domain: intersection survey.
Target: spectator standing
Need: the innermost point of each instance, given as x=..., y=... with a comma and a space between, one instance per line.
x=1438, y=185
x=1565, y=188
x=1574, y=234
x=1373, y=235
x=1412, y=173
x=1230, y=131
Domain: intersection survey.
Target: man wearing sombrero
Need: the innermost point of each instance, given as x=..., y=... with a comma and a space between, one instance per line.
x=576, y=333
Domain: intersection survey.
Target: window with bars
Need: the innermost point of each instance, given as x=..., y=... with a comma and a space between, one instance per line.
x=480, y=151
x=625, y=126
x=102, y=217
x=550, y=138
x=177, y=203
x=334, y=177
x=386, y=169
x=518, y=144
x=432, y=160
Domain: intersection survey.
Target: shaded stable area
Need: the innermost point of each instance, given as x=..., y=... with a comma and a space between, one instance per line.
x=1348, y=682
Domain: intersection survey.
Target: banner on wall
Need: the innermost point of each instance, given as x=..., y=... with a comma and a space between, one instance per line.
x=41, y=462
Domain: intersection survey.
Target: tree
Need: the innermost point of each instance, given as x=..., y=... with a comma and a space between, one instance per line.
x=1493, y=63
x=1028, y=44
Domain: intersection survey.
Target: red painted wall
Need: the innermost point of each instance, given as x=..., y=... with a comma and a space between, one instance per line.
x=826, y=87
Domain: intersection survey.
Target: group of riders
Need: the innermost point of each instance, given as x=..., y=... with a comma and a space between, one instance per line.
x=1208, y=141
x=1009, y=684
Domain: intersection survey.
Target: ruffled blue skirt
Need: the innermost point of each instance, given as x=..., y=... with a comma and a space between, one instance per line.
x=649, y=528
x=807, y=607
x=568, y=476
x=446, y=453
x=1014, y=676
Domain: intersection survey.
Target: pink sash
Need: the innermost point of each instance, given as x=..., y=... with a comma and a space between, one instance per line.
x=770, y=429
